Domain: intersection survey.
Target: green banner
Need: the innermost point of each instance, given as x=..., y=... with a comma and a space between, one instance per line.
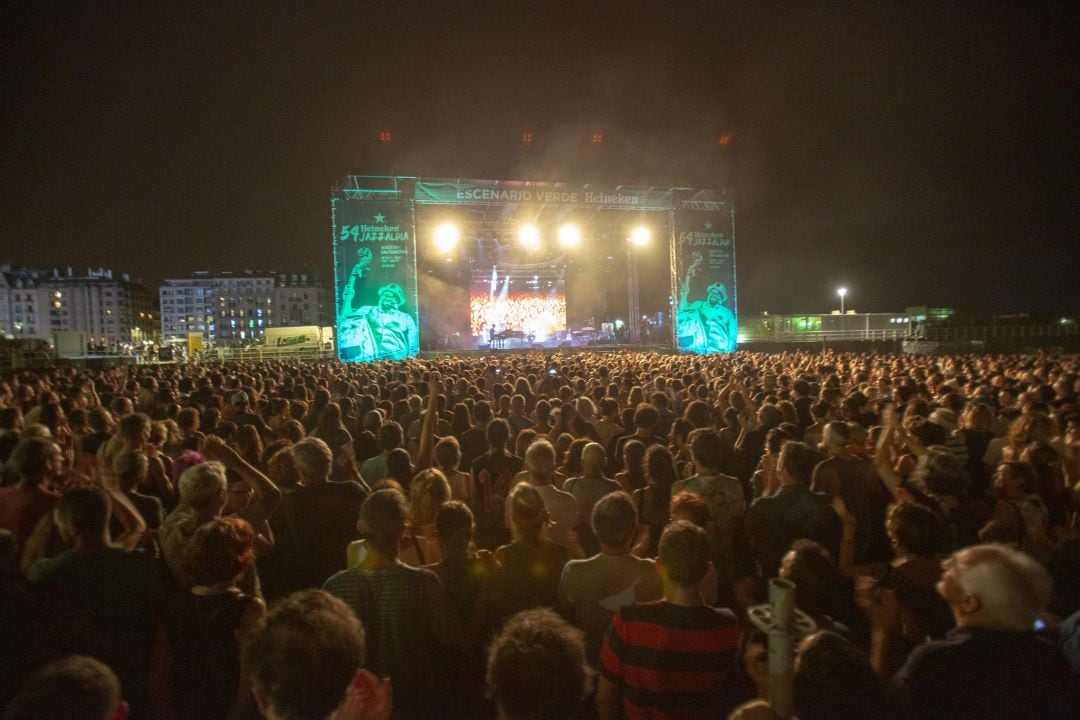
x=375, y=279
x=705, y=262
x=631, y=198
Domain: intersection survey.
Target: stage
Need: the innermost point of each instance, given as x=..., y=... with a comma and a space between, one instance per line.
x=493, y=266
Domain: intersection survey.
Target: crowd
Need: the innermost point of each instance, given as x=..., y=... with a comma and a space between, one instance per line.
x=541, y=314
x=541, y=537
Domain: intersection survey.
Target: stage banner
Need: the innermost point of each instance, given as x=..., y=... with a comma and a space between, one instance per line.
x=375, y=279
x=705, y=267
x=444, y=193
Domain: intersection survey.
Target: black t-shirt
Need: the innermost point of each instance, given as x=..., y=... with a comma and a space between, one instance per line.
x=618, y=443
x=246, y=418
x=986, y=674
x=204, y=652
x=149, y=508
x=493, y=474
x=366, y=446
x=803, y=403
x=774, y=522
x=473, y=444
x=314, y=526
x=528, y=578
x=93, y=442
x=105, y=603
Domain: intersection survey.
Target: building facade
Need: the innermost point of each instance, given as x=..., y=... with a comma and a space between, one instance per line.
x=236, y=308
x=114, y=312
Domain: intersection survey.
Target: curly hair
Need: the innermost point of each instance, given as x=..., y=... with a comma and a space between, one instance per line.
x=219, y=551
x=536, y=667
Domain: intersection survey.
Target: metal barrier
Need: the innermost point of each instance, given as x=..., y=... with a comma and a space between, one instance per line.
x=259, y=354
x=935, y=333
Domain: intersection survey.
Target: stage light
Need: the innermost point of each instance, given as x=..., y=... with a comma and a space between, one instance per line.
x=446, y=237
x=640, y=236
x=569, y=236
x=529, y=236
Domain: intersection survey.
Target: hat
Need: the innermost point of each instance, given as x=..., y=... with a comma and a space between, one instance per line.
x=718, y=288
x=239, y=398
x=395, y=290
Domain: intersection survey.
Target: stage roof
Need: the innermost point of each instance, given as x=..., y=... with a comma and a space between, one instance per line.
x=498, y=207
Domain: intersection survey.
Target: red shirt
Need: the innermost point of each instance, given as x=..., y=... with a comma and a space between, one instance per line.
x=672, y=661
x=21, y=509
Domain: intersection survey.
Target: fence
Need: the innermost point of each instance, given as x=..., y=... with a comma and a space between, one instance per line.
x=939, y=334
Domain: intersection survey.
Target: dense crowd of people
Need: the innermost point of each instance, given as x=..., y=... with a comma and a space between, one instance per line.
x=541, y=314
x=540, y=537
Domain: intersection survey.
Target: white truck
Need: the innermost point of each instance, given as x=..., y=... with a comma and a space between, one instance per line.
x=303, y=336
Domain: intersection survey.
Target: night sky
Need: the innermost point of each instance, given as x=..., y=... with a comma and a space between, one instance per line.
x=917, y=153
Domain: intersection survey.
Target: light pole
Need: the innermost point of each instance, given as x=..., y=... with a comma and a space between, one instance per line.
x=841, y=292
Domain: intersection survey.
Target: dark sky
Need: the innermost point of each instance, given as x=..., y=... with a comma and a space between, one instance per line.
x=919, y=153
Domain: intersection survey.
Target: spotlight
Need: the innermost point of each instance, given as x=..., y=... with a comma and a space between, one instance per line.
x=529, y=236
x=640, y=235
x=569, y=236
x=446, y=237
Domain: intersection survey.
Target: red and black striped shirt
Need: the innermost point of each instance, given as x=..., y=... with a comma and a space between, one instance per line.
x=672, y=661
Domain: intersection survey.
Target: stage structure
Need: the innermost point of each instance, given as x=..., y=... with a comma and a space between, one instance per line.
x=486, y=264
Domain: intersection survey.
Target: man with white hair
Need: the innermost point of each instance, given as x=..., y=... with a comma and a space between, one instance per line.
x=561, y=506
x=202, y=497
x=993, y=665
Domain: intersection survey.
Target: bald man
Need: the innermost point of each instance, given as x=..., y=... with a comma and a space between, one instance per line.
x=587, y=489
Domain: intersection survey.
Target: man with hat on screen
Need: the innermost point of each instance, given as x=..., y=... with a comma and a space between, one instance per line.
x=378, y=332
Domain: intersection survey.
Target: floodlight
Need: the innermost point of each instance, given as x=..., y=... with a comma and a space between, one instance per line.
x=569, y=236
x=640, y=235
x=446, y=237
x=529, y=236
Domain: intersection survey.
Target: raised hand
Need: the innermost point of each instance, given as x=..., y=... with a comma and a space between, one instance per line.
x=214, y=448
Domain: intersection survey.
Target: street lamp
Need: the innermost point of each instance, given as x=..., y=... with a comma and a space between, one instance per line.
x=841, y=292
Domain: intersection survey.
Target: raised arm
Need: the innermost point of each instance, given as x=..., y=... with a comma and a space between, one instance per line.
x=883, y=459
x=266, y=492
x=428, y=425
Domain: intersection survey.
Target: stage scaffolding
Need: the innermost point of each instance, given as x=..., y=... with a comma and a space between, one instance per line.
x=489, y=213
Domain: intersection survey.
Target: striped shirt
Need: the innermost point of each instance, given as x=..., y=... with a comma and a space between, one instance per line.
x=672, y=661
x=410, y=631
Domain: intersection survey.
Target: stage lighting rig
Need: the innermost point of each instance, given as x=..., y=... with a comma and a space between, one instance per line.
x=529, y=236
x=569, y=236
x=446, y=237
x=640, y=236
